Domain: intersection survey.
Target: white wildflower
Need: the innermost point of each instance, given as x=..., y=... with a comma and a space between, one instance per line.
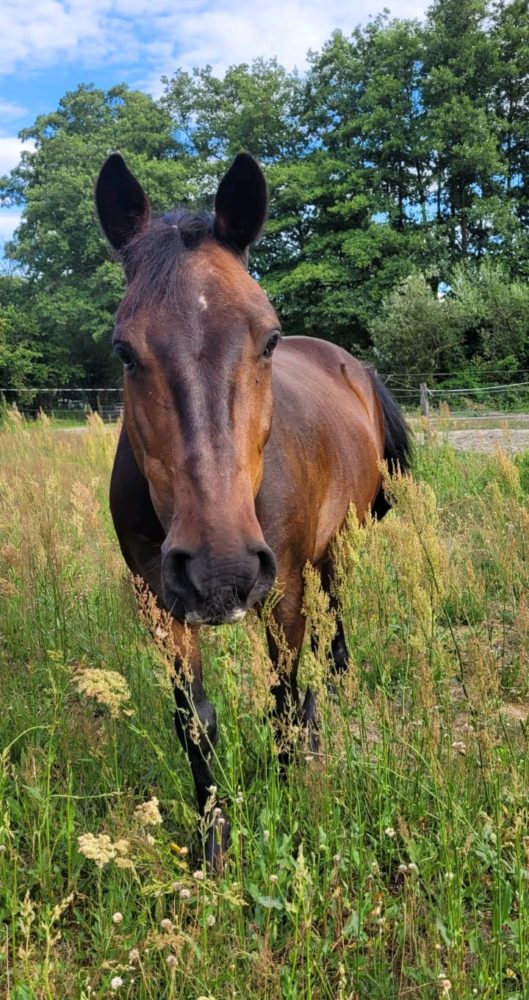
x=107, y=687
x=97, y=848
x=148, y=814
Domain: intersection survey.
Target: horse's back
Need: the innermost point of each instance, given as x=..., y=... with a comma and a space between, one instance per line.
x=326, y=443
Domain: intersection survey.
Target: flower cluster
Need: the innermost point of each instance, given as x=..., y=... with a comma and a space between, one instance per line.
x=148, y=814
x=101, y=849
x=107, y=687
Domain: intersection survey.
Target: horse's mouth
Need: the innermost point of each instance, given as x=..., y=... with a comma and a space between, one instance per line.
x=228, y=618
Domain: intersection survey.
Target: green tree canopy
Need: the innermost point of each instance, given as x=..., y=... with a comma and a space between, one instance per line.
x=71, y=285
x=402, y=151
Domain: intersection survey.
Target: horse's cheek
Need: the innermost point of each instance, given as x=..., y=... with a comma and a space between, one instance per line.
x=159, y=489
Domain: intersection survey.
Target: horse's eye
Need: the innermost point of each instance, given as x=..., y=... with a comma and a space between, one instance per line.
x=271, y=344
x=125, y=354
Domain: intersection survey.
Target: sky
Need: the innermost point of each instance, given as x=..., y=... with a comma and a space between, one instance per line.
x=50, y=46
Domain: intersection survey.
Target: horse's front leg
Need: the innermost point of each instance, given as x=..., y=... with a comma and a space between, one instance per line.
x=196, y=726
x=285, y=633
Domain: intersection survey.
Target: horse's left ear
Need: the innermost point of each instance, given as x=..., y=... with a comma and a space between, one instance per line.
x=122, y=205
x=241, y=203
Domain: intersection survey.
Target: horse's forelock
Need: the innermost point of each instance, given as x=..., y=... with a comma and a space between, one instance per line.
x=151, y=258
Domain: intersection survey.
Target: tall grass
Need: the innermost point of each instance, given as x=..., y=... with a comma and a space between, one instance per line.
x=392, y=865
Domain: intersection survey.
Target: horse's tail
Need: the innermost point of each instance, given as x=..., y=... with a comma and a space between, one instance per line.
x=397, y=440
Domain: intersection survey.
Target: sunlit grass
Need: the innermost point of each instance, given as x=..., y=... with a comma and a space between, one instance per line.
x=392, y=865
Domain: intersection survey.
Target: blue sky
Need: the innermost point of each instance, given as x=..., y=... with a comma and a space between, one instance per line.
x=49, y=46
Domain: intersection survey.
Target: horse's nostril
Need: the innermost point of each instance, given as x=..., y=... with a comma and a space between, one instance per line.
x=268, y=563
x=175, y=569
x=266, y=575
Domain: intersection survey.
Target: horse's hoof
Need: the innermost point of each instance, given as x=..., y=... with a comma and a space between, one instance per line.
x=217, y=843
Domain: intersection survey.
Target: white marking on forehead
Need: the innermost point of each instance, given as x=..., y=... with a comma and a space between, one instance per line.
x=202, y=301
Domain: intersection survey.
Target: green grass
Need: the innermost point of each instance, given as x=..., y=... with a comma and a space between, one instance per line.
x=392, y=865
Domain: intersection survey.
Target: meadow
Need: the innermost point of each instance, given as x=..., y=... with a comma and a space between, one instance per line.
x=393, y=864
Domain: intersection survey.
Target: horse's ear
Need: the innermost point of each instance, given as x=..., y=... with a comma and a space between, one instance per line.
x=122, y=205
x=241, y=203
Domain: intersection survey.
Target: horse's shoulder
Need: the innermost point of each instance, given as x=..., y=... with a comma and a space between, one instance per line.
x=309, y=361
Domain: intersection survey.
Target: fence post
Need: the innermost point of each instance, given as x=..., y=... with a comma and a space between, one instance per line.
x=425, y=411
x=425, y=403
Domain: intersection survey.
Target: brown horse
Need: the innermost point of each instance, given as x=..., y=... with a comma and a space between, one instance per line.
x=240, y=451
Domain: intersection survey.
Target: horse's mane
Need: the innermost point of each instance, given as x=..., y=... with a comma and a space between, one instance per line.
x=151, y=257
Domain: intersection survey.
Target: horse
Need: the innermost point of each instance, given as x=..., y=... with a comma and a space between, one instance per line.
x=241, y=450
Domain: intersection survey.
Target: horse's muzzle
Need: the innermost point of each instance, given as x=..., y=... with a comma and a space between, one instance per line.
x=199, y=588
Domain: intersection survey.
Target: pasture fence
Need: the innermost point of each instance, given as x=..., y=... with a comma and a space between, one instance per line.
x=474, y=402
x=432, y=397
x=71, y=404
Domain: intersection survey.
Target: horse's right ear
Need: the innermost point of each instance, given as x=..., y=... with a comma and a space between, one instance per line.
x=122, y=205
x=241, y=204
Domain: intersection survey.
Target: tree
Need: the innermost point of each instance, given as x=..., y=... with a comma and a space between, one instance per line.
x=492, y=313
x=253, y=108
x=458, y=75
x=415, y=331
x=344, y=226
x=70, y=281
x=510, y=36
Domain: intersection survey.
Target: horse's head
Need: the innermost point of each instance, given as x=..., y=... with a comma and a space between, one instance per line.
x=196, y=335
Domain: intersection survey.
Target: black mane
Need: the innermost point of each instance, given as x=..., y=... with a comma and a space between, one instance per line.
x=151, y=257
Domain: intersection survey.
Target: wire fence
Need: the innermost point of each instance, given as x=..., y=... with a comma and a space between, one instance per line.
x=428, y=397
x=71, y=404
x=470, y=400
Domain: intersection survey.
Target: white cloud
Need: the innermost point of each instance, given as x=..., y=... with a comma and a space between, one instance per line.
x=10, y=152
x=161, y=35
x=9, y=110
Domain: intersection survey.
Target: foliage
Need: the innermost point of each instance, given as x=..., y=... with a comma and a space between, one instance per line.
x=415, y=331
x=19, y=360
x=492, y=313
x=253, y=107
x=481, y=322
x=71, y=287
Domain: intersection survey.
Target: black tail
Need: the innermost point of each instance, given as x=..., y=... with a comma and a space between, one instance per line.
x=397, y=440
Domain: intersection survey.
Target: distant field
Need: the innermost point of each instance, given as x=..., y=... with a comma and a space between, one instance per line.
x=393, y=865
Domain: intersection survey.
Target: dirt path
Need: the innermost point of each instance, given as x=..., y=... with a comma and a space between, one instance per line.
x=483, y=439
x=487, y=441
